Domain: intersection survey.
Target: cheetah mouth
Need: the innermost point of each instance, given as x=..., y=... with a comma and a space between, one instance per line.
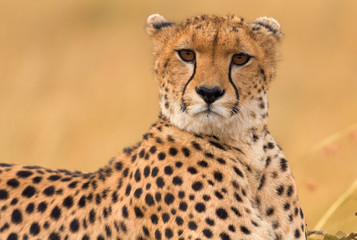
x=207, y=111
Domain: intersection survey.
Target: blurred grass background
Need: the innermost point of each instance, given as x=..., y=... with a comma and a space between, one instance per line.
x=76, y=84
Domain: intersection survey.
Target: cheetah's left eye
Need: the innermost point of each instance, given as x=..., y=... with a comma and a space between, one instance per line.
x=241, y=58
x=186, y=55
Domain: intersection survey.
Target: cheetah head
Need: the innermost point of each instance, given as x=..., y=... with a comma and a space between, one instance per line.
x=213, y=72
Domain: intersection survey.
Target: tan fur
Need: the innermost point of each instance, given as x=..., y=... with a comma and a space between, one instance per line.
x=197, y=173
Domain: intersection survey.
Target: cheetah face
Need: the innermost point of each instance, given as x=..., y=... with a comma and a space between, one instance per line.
x=211, y=70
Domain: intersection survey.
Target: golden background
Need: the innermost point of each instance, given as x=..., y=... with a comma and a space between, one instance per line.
x=76, y=84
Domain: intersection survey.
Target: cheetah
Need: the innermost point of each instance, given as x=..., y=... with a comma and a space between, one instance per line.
x=208, y=168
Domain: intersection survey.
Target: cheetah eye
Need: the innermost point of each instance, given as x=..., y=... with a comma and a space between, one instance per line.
x=240, y=59
x=186, y=55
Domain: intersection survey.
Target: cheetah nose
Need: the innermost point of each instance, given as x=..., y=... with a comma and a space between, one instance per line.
x=209, y=95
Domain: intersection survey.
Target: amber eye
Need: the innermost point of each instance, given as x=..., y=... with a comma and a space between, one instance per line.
x=186, y=55
x=240, y=59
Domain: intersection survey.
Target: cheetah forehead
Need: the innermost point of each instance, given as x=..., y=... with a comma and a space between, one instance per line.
x=262, y=25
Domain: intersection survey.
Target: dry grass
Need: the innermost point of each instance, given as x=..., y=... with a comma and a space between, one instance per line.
x=76, y=83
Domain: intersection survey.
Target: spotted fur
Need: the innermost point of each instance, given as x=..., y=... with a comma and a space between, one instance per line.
x=202, y=171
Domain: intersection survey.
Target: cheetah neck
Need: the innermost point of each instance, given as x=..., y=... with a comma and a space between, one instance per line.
x=248, y=123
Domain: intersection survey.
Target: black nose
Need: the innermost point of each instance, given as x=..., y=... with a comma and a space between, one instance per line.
x=209, y=95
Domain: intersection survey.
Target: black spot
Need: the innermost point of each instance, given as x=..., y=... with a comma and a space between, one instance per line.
x=286, y=206
x=158, y=197
x=154, y=219
x=224, y=236
x=270, y=144
x=177, y=181
x=197, y=186
x=237, y=197
x=24, y=174
x=280, y=190
x=290, y=191
x=179, y=221
x=3, y=194
x=161, y=156
x=146, y=171
x=192, y=225
x=37, y=179
x=218, y=176
x=283, y=164
x=82, y=201
x=127, y=190
x=231, y=228
x=173, y=151
x=30, y=207
x=178, y=164
x=14, y=201
x=137, y=175
x=157, y=235
x=244, y=230
x=196, y=145
x=152, y=150
x=297, y=233
x=49, y=191
x=149, y=199
x=14, y=183
x=74, y=225
x=165, y=217
x=154, y=172
x=142, y=153
x=16, y=216
x=185, y=151
x=168, y=170
x=192, y=170
x=138, y=192
x=200, y=207
x=168, y=233
x=42, y=207
x=73, y=184
x=138, y=212
x=270, y=211
x=34, y=229
x=29, y=191
x=202, y=163
x=208, y=155
x=146, y=231
x=169, y=198
x=238, y=171
x=261, y=183
x=217, y=145
x=54, y=178
x=221, y=213
x=54, y=236
x=92, y=216
x=183, y=206
x=160, y=182
x=68, y=202
x=56, y=213
x=12, y=236
x=221, y=161
x=207, y=233
x=125, y=212
x=119, y=166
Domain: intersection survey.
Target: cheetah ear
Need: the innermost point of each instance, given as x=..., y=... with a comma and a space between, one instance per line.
x=269, y=25
x=155, y=23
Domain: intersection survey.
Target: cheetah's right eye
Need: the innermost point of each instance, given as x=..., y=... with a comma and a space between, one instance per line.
x=186, y=55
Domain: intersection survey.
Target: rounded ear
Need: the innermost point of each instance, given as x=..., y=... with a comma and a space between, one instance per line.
x=155, y=23
x=269, y=25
